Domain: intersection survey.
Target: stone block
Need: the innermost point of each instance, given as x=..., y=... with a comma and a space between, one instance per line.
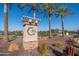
x=30, y=45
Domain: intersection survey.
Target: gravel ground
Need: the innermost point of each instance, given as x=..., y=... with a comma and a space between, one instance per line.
x=52, y=51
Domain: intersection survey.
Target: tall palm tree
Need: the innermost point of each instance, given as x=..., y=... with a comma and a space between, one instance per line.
x=50, y=9
x=62, y=11
x=6, y=21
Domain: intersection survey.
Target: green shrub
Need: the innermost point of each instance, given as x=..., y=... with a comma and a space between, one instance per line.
x=42, y=33
x=42, y=49
x=1, y=36
x=58, y=45
x=12, y=37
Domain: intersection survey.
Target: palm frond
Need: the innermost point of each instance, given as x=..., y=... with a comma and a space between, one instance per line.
x=48, y=8
x=22, y=6
x=64, y=11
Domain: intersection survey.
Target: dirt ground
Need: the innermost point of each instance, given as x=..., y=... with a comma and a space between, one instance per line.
x=52, y=51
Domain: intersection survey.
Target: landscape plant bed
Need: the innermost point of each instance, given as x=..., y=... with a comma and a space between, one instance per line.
x=58, y=45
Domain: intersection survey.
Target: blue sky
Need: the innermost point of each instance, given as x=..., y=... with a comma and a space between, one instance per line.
x=15, y=14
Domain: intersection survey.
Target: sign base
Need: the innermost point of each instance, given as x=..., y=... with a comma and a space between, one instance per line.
x=30, y=45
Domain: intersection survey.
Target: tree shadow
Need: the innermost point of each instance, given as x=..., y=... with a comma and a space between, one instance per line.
x=57, y=53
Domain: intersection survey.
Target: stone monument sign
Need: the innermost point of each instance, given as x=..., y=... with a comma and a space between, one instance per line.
x=30, y=37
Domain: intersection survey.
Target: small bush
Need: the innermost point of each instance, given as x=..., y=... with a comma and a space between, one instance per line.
x=42, y=49
x=12, y=37
x=58, y=45
x=13, y=47
x=1, y=36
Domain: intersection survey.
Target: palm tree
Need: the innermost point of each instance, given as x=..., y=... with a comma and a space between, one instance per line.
x=62, y=11
x=6, y=21
x=50, y=9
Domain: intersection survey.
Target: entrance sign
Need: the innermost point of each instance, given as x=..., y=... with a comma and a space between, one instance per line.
x=30, y=37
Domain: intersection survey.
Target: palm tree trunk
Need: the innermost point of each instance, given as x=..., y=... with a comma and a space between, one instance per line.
x=34, y=9
x=62, y=17
x=49, y=27
x=5, y=21
x=34, y=14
